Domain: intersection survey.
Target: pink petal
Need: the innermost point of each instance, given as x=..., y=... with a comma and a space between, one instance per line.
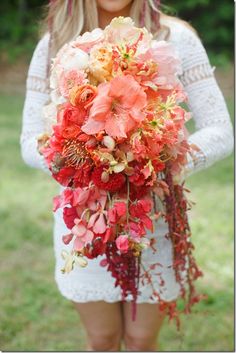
x=128, y=90
x=147, y=222
x=79, y=230
x=81, y=196
x=102, y=103
x=146, y=205
x=88, y=236
x=67, y=196
x=107, y=235
x=146, y=171
x=63, y=199
x=67, y=238
x=103, y=199
x=92, y=126
x=120, y=208
x=103, y=263
x=137, y=114
x=112, y=215
x=122, y=243
x=116, y=126
x=78, y=244
x=92, y=220
x=100, y=225
x=56, y=203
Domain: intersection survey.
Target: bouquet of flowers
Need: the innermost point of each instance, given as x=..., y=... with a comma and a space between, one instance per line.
x=118, y=143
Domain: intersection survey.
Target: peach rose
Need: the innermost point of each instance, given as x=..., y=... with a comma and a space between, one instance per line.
x=82, y=96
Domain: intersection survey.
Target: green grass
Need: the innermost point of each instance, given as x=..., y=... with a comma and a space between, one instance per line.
x=34, y=315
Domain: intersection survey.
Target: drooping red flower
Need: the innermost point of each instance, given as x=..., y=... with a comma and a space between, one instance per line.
x=115, y=182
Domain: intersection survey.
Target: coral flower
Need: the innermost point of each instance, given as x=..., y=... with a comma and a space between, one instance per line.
x=117, y=108
x=82, y=96
x=70, y=118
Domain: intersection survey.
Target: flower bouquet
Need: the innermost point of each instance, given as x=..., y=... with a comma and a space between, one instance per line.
x=118, y=143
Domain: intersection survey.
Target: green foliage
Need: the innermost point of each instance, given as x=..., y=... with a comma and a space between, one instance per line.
x=19, y=27
x=34, y=315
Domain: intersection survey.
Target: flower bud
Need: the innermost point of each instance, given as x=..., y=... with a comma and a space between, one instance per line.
x=119, y=168
x=80, y=261
x=105, y=177
x=109, y=142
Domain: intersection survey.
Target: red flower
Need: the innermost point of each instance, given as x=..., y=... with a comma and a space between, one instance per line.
x=116, y=212
x=137, y=192
x=71, y=118
x=140, y=208
x=64, y=176
x=158, y=166
x=96, y=248
x=137, y=178
x=115, y=182
x=69, y=215
x=82, y=176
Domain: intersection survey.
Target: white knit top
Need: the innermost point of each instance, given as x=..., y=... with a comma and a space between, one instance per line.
x=213, y=128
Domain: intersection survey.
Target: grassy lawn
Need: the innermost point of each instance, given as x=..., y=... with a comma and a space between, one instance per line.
x=34, y=315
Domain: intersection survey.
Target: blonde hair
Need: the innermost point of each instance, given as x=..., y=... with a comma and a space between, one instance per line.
x=64, y=27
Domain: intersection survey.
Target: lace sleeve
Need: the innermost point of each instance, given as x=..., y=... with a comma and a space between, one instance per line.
x=37, y=94
x=214, y=130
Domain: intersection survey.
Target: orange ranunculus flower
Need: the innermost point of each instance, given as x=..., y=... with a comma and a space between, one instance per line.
x=82, y=96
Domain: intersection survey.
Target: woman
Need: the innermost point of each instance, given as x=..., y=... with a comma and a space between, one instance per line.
x=107, y=320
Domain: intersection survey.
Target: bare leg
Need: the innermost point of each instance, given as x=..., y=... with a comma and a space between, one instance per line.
x=103, y=324
x=142, y=334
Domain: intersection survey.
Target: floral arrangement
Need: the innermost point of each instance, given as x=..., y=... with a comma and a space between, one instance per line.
x=118, y=143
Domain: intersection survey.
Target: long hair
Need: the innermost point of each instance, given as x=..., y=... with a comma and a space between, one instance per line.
x=67, y=23
x=64, y=26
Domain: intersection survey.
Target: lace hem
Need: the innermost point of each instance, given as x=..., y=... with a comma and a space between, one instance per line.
x=110, y=294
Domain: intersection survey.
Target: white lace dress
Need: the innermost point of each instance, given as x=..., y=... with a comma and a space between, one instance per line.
x=213, y=135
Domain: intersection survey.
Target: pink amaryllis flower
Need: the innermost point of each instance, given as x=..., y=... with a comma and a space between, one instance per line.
x=117, y=108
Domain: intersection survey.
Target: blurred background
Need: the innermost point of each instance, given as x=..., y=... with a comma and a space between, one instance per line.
x=34, y=316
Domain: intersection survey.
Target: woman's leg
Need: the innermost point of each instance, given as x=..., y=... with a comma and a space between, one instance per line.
x=142, y=334
x=103, y=323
